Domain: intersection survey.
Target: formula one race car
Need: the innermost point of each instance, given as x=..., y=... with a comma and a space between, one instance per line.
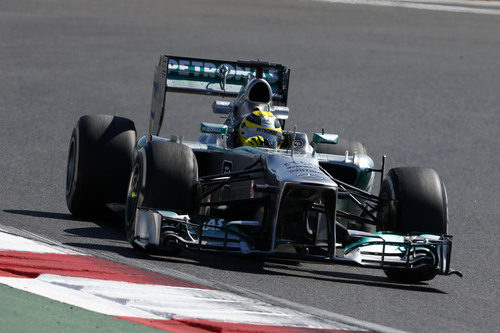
x=250, y=187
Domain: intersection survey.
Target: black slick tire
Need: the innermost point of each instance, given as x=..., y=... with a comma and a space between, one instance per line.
x=417, y=204
x=164, y=177
x=99, y=163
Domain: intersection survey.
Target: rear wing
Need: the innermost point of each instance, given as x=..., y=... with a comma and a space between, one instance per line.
x=211, y=77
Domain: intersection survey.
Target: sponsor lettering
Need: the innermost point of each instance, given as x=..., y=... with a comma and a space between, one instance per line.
x=302, y=167
x=266, y=130
x=214, y=224
x=207, y=69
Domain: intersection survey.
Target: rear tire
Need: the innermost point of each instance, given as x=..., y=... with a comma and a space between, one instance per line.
x=99, y=163
x=164, y=177
x=418, y=204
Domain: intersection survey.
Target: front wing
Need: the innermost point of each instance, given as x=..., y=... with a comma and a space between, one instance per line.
x=154, y=228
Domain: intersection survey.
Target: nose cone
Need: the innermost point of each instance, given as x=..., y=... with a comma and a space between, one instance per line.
x=259, y=91
x=300, y=169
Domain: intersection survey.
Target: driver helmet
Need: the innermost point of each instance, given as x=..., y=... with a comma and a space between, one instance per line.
x=260, y=129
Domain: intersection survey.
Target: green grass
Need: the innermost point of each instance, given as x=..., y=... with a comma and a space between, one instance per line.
x=21, y=311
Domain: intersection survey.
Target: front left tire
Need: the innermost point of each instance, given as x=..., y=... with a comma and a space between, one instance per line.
x=164, y=177
x=416, y=204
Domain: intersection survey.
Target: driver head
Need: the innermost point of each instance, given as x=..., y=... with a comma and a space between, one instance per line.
x=260, y=128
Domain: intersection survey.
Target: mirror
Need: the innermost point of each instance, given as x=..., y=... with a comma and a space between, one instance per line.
x=210, y=128
x=326, y=138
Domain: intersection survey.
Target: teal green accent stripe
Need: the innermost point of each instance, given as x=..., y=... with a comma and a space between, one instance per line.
x=21, y=311
x=389, y=238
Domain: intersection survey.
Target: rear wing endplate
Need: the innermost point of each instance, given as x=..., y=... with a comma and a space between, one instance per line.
x=211, y=77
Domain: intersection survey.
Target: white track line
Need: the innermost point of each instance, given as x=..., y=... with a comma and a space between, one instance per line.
x=17, y=243
x=466, y=3
x=455, y=6
x=22, y=240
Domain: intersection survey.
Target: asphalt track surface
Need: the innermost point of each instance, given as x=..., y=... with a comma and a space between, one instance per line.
x=419, y=86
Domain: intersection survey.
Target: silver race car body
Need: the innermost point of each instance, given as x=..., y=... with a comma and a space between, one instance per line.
x=292, y=202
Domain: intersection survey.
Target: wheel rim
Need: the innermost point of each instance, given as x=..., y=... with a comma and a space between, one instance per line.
x=70, y=171
x=132, y=195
